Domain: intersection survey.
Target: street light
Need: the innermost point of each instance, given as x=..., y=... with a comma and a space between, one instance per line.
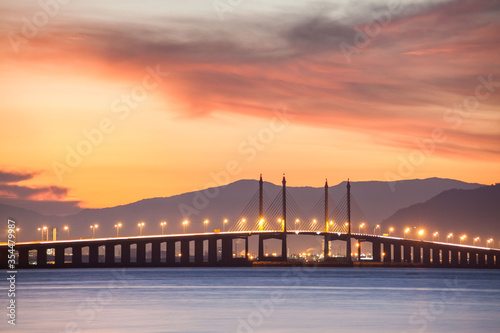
x=163, y=224
x=449, y=236
x=462, y=238
x=205, y=225
x=407, y=230
x=184, y=226
x=476, y=240
x=489, y=241
x=421, y=232
x=296, y=221
x=118, y=226
x=376, y=227
x=67, y=229
x=434, y=235
x=46, y=233
x=361, y=226
x=141, y=225
x=40, y=229
x=391, y=229
x=93, y=227
x=224, y=225
x=17, y=236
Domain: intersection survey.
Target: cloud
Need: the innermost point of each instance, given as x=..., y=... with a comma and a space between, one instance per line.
x=396, y=88
x=14, y=177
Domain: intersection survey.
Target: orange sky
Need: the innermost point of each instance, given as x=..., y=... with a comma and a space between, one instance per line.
x=158, y=99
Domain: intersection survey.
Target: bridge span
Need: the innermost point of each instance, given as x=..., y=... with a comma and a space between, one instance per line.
x=216, y=249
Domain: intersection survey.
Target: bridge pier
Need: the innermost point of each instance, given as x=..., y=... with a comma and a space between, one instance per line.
x=185, y=251
x=94, y=255
x=397, y=252
x=426, y=255
x=212, y=251
x=227, y=250
x=41, y=258
x=110, y=254
x=155, y=253
x=376, y=251
x=198, y=251
x=59, y=257
x=407, y=253
x=23, y=261
x=171, y=252
x=435, y=256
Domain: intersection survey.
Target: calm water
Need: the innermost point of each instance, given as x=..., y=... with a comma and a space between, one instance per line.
x=257, y=300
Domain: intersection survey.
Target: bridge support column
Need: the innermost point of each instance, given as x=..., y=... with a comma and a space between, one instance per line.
x=227, y=250
x=417, y=258
x=376, y=251
x=326, y=247
x=482, y=261
x=171, y=252
x=185, y=251
x=110, y=254
x=198, y=251
x=261, y=248
x=125, y=254
x=76, y=255
x=93, y=254
x=407, y=253
x=397, y=252
x=473, y=259
x=246, y=247
x=41, y=257
x=59, y=258
x=155, y=253
x=387, y=252
x=141, y=253
x=23, y=258
x=446, y=256
x=426, y=255
x=212, y=251
x=497, y=259
x=435, y=256
x=463, y=258
x=454, y=257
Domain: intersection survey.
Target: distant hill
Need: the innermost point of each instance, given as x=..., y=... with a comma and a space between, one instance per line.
x=376, y=199
x=473, y=212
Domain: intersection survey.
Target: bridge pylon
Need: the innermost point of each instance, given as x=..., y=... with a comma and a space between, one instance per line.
x=348, y=245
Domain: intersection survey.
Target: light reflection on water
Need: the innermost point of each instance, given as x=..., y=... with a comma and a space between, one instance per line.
x=257, y=300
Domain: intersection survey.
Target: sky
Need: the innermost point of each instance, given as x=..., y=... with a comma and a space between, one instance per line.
x=109, y=102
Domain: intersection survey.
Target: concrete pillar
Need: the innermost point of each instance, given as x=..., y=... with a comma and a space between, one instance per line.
x=473, y=258
x=227, y=250
x=326, y=246
x=110, y=254
x=387, y=251
x=76, y=257
x=376, y=251
x=446, y=256
x=497, y=259
x=155, y=252
x=59, y=257
x=141, y=253
x=212, y=251
x=407, y=253
x=435, y=256
x=463, y=258
x=198, y=251
x=416, y=254
x=4, y=252
x=125, y=254
x=93, y=254
x=185, y=251
x=426, y=254
x=23, y=258
x=41, y=256
x=246, y=247
x=397, y=252
x=454, y=257
x=261, y=248
x=170, y=252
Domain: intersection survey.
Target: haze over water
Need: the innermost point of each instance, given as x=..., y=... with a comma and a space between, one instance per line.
x=258, y=300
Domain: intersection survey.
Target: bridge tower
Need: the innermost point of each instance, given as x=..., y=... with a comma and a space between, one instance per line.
x=348, y=244
x=327, y=238
x=284, y=248
x=261, y=204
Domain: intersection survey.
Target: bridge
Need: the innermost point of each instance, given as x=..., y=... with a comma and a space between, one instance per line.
x=262, y=218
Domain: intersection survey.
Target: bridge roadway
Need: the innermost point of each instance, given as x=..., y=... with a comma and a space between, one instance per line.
x=116, y=251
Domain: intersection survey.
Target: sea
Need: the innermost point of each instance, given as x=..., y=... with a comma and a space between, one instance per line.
x=285, y=299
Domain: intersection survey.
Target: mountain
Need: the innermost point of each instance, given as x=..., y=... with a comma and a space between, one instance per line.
x=473, y=212
x=377, y=200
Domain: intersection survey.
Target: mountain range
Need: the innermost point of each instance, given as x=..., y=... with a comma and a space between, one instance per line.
x=437, y=204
